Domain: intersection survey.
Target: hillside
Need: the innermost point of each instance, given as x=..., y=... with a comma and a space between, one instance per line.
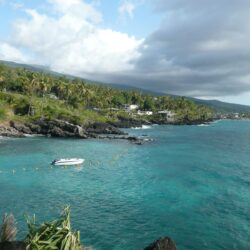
x=31, y=95
x=224, y=107
x=216, y=105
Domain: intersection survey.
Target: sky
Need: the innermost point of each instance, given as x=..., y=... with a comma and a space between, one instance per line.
x=183, y=47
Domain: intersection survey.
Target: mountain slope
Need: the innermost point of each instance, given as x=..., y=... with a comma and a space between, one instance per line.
x=216, y=105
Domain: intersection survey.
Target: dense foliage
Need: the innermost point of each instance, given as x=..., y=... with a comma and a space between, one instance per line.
x=26, y=94
x=57, y=234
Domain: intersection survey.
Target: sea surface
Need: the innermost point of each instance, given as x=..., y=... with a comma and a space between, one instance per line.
x=191, y=183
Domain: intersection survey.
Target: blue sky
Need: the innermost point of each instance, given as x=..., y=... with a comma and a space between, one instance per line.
x=180, y=47
x=139, y=25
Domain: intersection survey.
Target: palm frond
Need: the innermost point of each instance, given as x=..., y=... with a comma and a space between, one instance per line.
x=8, y=229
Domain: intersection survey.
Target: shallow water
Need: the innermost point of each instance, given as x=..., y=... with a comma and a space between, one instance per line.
x=192, y=184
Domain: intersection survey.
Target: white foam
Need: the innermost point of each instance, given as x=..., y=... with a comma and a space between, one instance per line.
x=143, y=127
x=33, y=135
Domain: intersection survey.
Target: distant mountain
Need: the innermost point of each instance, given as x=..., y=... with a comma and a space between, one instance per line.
x=216, y=105
x=224, y=107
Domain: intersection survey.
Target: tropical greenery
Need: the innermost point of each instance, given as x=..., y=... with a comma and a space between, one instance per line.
x=26, y=94
x=57, y=234
x=53, y=235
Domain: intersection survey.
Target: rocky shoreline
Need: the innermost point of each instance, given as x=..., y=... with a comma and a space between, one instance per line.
x=63, y=129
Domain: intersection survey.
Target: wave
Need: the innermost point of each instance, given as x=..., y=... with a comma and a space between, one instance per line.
x=203, y=125
x=33, y=135
x=143, y=127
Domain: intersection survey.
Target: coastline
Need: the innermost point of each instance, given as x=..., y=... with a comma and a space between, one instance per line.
x=63, y=129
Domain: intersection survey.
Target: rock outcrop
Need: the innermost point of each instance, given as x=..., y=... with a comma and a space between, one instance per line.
x=129, y=123
x=7, y=130
x=55, y=128
x=103, y=128
x=162, y=244
x=16, y=245
x=64, y=129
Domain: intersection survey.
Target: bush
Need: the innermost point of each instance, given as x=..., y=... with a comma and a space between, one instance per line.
x=2, y=113
x=53, y=235
x=21, y=107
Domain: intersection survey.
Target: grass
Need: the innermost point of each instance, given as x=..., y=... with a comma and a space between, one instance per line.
x=15, y=106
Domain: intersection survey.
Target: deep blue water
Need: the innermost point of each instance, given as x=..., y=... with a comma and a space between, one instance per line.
x=192, y=183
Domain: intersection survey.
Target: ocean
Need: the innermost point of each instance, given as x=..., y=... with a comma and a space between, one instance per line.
x=191, y=183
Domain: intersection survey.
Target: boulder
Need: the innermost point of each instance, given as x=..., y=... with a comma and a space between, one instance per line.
x=35, y=128
x=103, y=128
x=162, y=244
x=59, y=128
x=21, y=127
x=6, y=130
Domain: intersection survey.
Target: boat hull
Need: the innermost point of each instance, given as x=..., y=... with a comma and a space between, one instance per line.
x=68, y=163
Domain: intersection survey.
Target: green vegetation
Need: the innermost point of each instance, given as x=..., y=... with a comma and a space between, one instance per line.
x=57, y=234
x=29, y=95
x=53, y=235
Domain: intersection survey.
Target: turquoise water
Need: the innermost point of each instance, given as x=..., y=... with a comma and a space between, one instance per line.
x=192, y=184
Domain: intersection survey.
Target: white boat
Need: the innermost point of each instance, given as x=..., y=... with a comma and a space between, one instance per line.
x=68, y=162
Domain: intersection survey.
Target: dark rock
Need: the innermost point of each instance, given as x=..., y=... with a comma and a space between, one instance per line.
x=129, y=123
x=16, y=245
x=162, y=244
x=103, y=128
x=21, y=127
x=57, y=132
x=7, y=130
x=59, y=128
x=132, y=139
x=36, y=129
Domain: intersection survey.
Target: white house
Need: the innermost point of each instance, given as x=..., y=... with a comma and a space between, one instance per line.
x=52, y=96
x=168, y=114
x=139, y=112
x=130, y=107
x=114, y=109
x=236, y=115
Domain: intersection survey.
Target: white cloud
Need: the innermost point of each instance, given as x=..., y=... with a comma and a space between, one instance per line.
x=126, y=8
x=72, y=40
x=10, y=53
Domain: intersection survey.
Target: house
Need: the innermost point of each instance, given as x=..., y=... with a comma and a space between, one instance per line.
x=236, y=115
x=168, y=114
x=139, y=112
x=114, y=109
x=130, y=107
x=52, y=96
x=96, y=109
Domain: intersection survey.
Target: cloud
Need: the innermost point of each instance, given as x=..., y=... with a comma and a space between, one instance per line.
x=10, y=53
x=72, y=41
x=126, y=9
x=201, y=48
